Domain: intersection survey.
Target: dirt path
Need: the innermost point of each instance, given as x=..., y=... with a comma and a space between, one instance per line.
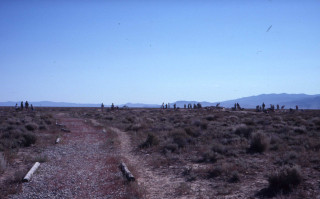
x=81, y=166
x=157, y=184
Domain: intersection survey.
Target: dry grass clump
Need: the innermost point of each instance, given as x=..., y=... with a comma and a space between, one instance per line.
x=151, y=140
x=259, y=143
x=31, y=126
x=41, y=158
x=235, y=177
x=243, y=131
x=211, y=117
x=285, y=180
x=179, y=137
x=16, y=138
x=192, y=132
x=3, y=163
x=209, y=156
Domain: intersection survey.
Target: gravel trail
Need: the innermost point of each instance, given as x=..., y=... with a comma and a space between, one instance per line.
x=81, y=166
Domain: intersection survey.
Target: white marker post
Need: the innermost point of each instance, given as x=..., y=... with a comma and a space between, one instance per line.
x=27, y=178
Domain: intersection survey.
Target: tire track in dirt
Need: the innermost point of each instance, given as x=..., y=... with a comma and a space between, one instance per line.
x=156, y=183
x=81, y=166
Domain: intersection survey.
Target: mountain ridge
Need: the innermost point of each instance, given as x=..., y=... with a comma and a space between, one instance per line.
x=304, y=101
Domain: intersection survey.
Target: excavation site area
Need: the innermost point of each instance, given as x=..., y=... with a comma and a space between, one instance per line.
x=159, y=153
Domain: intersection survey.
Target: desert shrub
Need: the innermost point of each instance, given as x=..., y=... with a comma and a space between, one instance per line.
x=47, y=119
x=259, y=143
x=3, y=163
x=289, y=158
x=211, y=118
x=243, y=131
x=285, y=179
x=189, y=174
x=41, y=158
x=249, y=122
x=300, y=130
x=172, y=147
x=316, y=121
x=43, y=127
x=9, y=128
x=203, y=125
x=151, y=140
x=219, y=148
x=31, y=126
x=134, y=191
x=196, y=123
x=192, y=132
x=179, y=137
x=18, y=176
x=283, y=130
x=130, y=119
x=183, y=188
x=234, y=177
x=180, y=141
x=208, y=156
x=16, y=138
x=313, y=144
x=233, y=118
x=215, y=172
x=136, y=127
x=28, y=139
x=109, y=118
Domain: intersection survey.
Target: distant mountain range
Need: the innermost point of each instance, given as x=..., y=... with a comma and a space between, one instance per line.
x=289, y=100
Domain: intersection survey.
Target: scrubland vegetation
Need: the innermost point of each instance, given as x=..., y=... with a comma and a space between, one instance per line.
x=259, y=154
x=22, y=135
x=244, y=154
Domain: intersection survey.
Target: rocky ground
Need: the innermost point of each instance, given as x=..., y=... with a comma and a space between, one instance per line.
x=81, y=166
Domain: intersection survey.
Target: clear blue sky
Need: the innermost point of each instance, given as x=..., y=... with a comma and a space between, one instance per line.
x=157, y=51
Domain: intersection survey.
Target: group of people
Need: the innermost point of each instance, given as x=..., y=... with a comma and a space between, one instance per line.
x=26, y=106
x=262, y=107
x=112, y=107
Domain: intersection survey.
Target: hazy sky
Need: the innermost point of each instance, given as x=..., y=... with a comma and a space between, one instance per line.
x=157, y=51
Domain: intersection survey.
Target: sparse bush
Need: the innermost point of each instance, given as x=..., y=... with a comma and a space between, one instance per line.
x=31, y=126
x=211, y=118
x=196, y=123
x=130, y=119
x=288, y=158
x=41, y=158
x=259, y=143
x=180, y=138
x=284, y=130
x=219, y=148
x=18, y=176
x=17, y=138
x=209, y=156
x=300, y=130
x=151, y=140
x=243, y=131
x=109, y=118
x=28, y=139
x=285, y=179
x=234, y=177
x=249, y=122
x=214, y=172
x=183, y=188
x=3, y=163
x=203, y=125
x=172, y=147
x=192, y=132
x=43, y=127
